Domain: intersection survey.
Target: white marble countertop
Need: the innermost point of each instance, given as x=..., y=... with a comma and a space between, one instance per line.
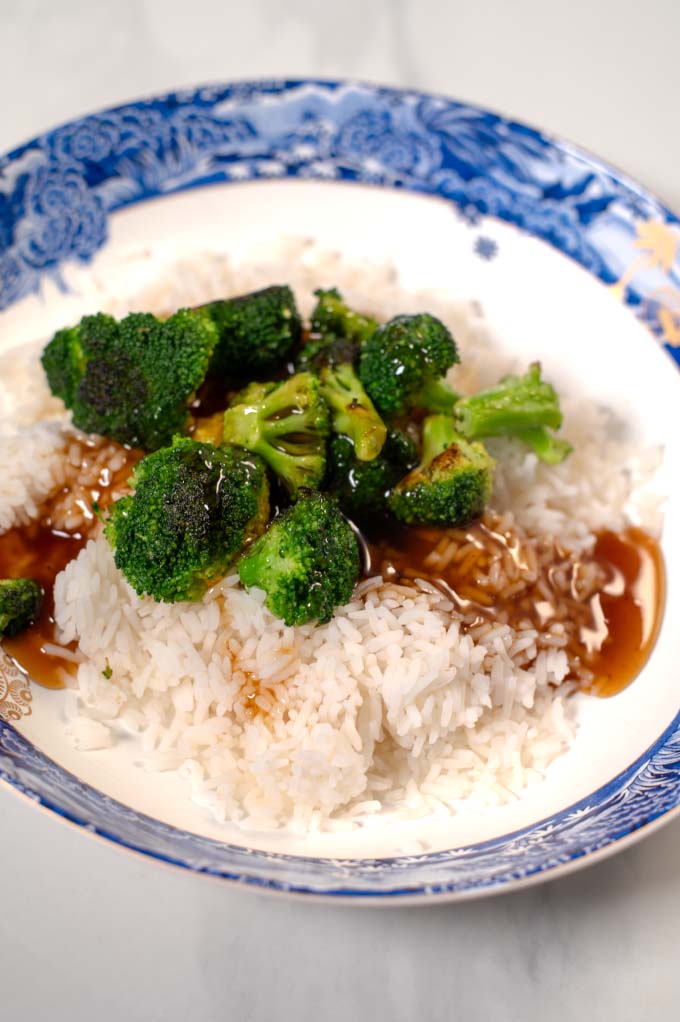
x=87, y=931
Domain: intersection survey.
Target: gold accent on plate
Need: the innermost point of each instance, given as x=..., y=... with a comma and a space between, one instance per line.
x=15, y=691
x=659, y=247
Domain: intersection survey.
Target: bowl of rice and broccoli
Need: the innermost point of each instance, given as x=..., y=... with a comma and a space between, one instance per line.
x=299, y=550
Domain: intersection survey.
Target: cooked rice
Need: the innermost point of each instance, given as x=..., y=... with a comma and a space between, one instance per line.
x=397, y=704
x=389, y=702
x=32, y=468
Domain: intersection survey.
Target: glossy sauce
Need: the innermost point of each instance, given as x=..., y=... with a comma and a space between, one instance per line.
x=617, y=625
x=35, y=551
x=631, y=607
x=40, y=551
x=616, y=634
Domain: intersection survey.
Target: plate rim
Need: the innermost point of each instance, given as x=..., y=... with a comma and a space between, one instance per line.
x=282, y=87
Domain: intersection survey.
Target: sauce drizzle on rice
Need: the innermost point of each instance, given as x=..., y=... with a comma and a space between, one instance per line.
x=603, y=607
x=96, y=471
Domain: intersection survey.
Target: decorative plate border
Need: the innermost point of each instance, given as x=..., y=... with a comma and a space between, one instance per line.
x=57, y=191
x=15, y=691
x=56, y=194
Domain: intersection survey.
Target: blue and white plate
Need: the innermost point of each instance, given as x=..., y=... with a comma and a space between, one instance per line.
x=573, y=263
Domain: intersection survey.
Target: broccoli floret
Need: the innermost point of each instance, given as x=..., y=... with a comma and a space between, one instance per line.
x=452, y=483
x=131, y=380
x=332, y=356
x=333, y=317
x=521, y=406
x=64, y=360
x=257, y=331
x=403, y=362
x=193, y=509
x=326, y=350
x=307, y=561
x=286, y=424
x=20, y=602
x=361, y=487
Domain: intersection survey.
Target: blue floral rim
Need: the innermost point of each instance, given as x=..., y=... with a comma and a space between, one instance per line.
x=624, y=805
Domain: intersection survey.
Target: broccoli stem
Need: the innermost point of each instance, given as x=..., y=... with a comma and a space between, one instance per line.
x=515, y=405
x=286, y=424
x=439, y=433
x=352, y=411
x=547, y=447
x=436, y=396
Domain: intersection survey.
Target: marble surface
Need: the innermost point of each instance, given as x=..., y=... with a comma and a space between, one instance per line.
x=88, y=931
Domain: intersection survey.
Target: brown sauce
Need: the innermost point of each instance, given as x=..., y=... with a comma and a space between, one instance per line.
x=608, y=632
x=35, y=551
x=631, y=607
x=41, y=549
x=211, y=397
x=611, y=630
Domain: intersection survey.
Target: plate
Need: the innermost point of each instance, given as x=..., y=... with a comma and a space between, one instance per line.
x=570, y=260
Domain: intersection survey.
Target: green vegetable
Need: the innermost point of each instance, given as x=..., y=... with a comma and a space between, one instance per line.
x=286, y=424
x=333, y=317
x=307, y=561
x=131, y=380
x=20, y=602
x=452, y=483
x=193, y=509
x=352, y=411
x=257, y=331
x=521, y=406
x=361, y=487
x=402, y=364
x=548, y=447
x=331, y=353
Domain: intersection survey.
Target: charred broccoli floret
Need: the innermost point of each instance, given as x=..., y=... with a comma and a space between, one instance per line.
x=257, y=331
x=521, y=406
x=193, y=509
x=307, y=561
x=20, y=602
x=403, y=363
x=333, y=317
x=452, y=483
x=286, y=424
x=361, y=487
x=131, y=380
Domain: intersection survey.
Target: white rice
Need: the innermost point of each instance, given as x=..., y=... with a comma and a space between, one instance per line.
x=32, y=440
x=390, y=707
x=388, y=704
x=31, y=469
